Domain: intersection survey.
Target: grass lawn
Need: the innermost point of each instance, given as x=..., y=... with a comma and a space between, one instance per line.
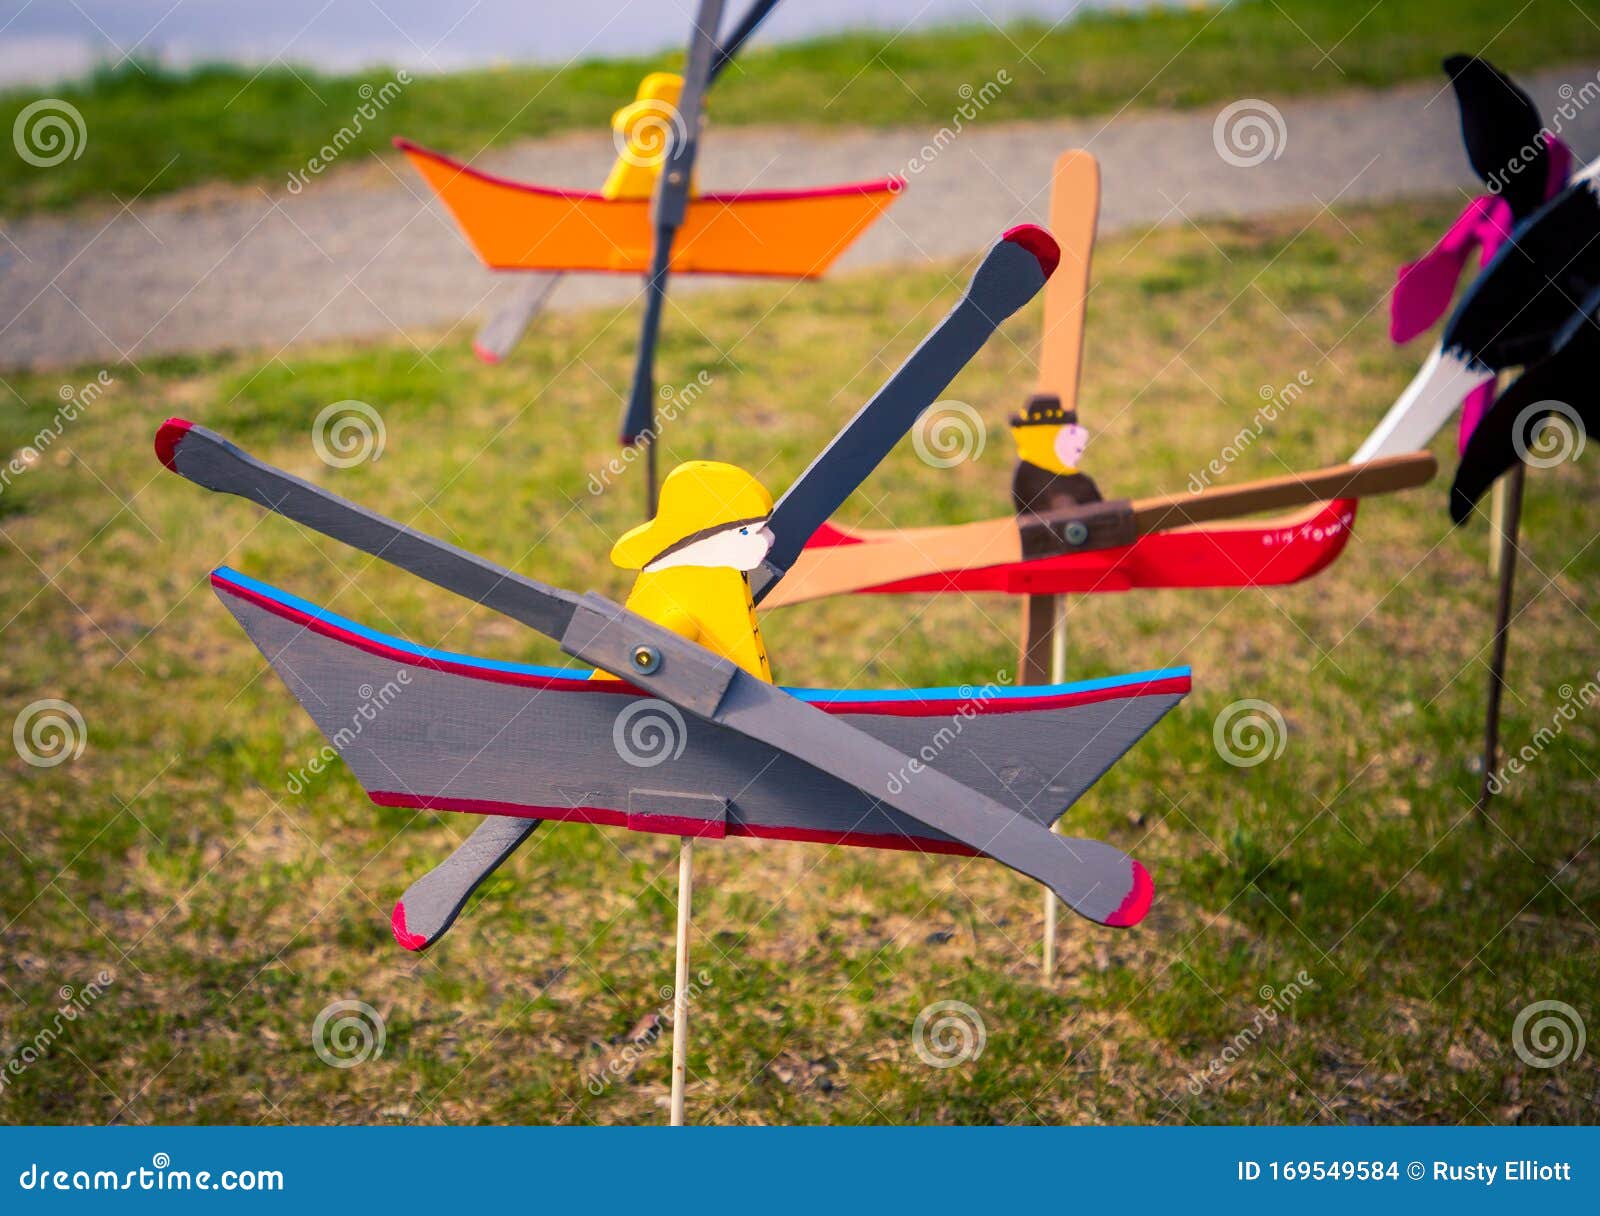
x=230, y=911
x=150, y=131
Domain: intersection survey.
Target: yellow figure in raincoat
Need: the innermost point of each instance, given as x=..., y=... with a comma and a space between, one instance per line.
x=695, y=556
x=643, y=129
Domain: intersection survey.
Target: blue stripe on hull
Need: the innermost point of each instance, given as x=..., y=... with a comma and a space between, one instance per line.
x=269, y=592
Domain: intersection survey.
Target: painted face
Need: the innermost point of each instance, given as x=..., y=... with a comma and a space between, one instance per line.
x=1070, y=441
x=740, y=548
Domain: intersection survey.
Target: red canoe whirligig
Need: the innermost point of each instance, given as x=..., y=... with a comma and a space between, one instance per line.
x=1260, y=553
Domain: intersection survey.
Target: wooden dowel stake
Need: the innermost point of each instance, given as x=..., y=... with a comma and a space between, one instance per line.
x=1497, y=523
x=680, y=985
x=1058, y=675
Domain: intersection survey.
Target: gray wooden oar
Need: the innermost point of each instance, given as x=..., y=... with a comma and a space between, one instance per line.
x=505, y=327
x=758, y=12
x=1097, y=880
x=1010, y=275
x=432, y=903
x=667, y=211
x=1005, y=280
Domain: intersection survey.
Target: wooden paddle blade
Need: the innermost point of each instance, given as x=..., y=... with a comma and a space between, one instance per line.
x=910, y=553
x=1416, y=416
x=505, y=327
x=1561, y=386
x=1383, y=476
x=431, y=904
x=1074, y=215
x=1500, y=126
x=204, y=457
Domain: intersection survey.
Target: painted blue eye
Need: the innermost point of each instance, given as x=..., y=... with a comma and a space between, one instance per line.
x=744, y=531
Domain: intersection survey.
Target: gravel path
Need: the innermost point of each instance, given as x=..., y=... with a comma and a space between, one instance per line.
x=364, y=253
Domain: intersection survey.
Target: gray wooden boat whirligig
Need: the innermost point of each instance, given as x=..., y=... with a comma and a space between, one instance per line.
x=429, y=729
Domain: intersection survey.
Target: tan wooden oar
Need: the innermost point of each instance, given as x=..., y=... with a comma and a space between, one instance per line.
x=892, y=556
x=1074, y=215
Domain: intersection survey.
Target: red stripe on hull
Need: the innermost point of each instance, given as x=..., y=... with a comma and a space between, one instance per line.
x=329, y=630
x=891, y=184
x=603, y=817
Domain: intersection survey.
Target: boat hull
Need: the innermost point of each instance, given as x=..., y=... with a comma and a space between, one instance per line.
x=440, y=731
x=520, y=226
x=1267, y=553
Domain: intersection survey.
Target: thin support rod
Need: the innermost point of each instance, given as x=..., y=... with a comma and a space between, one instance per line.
x=652, y=490
x=1502, y=627
x=1058, y=675
x=680, y=986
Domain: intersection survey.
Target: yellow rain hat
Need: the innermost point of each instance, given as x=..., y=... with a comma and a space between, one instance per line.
x=697, y=498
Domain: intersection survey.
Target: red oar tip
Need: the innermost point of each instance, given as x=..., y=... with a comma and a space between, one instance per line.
x=168, y=436
x=1132, y=909
x=1037, y=242
x=403, y=935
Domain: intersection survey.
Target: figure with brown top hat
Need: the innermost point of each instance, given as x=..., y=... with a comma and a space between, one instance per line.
x=1050, y=443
